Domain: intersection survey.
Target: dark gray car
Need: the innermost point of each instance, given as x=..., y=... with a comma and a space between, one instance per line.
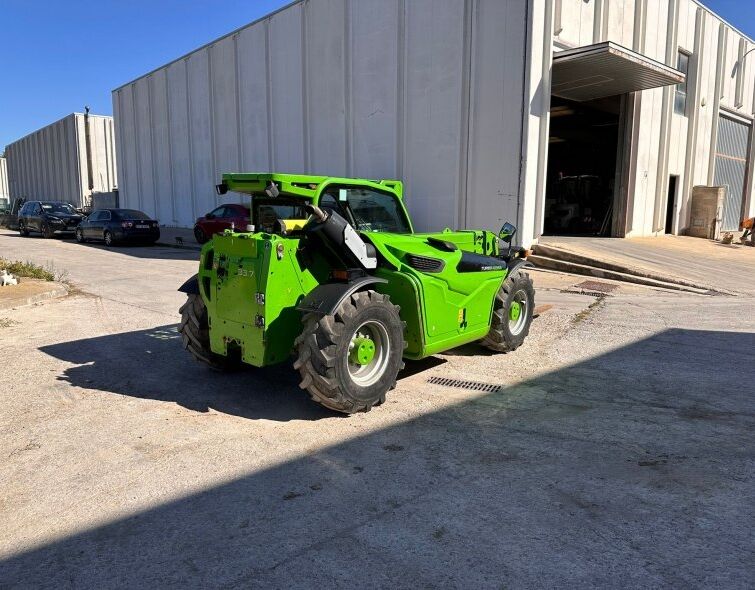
x=118, y=225
x=48, y=218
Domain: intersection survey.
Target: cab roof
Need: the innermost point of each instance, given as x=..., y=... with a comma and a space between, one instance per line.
x=306, y=186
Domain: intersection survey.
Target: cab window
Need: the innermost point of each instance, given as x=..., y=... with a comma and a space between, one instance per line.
x=266, y=211
x=367, y=209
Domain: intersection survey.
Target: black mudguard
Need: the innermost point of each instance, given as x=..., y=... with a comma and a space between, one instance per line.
x=190, y=287
x=325, y=299
x=518, y=263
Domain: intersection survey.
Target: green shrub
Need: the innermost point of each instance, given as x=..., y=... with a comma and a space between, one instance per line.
x=27, y=269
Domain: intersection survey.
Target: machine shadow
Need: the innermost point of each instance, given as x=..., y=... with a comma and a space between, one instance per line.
x=152, y=364
x=632, y=468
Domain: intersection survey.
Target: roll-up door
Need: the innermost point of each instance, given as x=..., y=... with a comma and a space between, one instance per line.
x=731, y=167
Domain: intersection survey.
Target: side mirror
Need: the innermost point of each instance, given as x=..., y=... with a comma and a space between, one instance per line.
x=507, y=232
x=221, y=188
x=271, y=190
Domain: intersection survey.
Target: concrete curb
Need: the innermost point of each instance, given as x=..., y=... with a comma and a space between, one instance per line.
x=46, y=290
x=196, y=248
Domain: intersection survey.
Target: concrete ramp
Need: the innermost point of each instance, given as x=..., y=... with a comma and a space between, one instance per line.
x=671, y=262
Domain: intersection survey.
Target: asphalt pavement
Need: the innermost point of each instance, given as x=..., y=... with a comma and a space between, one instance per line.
x=615, y=449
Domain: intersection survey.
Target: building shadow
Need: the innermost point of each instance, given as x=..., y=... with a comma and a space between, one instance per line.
x=633, y=468
x=147, y=251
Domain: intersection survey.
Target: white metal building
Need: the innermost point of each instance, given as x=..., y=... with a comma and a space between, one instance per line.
x=68, y=160
x=4, y=191
x=562, y=115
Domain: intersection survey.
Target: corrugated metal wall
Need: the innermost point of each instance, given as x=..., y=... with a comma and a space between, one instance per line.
x=4, y=189
x=428, y=91
x=51, y=162
x=731, y=168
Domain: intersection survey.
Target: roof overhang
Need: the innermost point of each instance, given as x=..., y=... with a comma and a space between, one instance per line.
x=607, y=69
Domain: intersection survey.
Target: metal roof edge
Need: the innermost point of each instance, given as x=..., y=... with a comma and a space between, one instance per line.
x=723, y=20
x=15, y=141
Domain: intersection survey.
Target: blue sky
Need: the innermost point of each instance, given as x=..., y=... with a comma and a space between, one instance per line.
x=59, y=55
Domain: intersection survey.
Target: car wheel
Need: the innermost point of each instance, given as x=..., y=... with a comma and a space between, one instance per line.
x=23, y=230
x=80, y=236
x=108, y=237
x=200, y=236
x=47, y=231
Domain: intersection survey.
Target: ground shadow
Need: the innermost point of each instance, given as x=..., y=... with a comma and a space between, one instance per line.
x=131, y=249
x=631, y=469
x=151, y=364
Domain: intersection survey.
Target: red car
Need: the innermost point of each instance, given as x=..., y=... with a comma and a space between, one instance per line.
x=220, y=219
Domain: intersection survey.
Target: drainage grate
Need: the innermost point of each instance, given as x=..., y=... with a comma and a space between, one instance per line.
x=598, y=286
x=471, y=385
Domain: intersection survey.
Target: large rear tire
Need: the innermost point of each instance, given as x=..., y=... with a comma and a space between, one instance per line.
x=349, y=360
x=195, y=333
x=512, y=313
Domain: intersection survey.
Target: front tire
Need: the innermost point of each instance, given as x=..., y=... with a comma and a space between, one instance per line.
x=23, y=230
x=47, y=231
x=80, y=236
x=195, y=333
x=108, y=237
x=512, y=313
x=349, y=360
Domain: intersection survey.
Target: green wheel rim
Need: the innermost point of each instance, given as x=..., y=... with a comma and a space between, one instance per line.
x=515, y=311
x=518, y=312
x=363, y=351
x=368, y=355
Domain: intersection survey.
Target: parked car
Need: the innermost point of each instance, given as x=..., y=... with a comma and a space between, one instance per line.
x=220, y=219
x=48, y=218
x=118, y=225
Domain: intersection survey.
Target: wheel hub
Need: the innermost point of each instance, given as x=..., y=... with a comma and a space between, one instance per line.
x=515, y=311
x=363, y=351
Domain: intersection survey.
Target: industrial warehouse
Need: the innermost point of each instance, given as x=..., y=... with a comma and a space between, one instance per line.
x=71, y=160
x=563, y=116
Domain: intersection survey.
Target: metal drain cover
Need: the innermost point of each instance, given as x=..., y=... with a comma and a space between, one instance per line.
x=596, y=286
x=471, y=385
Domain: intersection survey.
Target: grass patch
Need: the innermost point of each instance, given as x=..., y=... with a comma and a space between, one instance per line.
x=27, y=269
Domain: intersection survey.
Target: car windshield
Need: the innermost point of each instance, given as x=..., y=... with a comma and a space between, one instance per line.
x=129, y=214
x=58, y=208
x=367, y=210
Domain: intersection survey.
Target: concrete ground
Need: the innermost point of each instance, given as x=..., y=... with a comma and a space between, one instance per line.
x=724, y=266
x=617, y=451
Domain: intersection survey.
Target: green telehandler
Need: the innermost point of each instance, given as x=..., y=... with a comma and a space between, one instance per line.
x=330, y=269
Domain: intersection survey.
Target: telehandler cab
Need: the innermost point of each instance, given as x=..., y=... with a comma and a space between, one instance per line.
x=331, y=270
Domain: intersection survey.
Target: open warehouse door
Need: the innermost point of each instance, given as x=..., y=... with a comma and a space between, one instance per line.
x=591, y=110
